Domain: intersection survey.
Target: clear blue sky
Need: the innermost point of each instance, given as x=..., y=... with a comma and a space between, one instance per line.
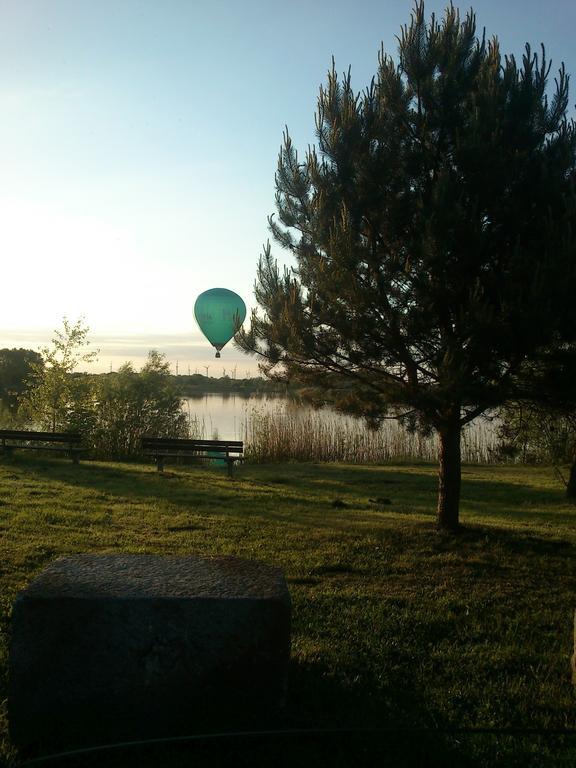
x=139, y=139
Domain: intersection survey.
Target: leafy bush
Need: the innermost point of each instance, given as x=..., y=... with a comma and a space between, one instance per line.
x=16, y=368
x=130, y=404
x=533, y=434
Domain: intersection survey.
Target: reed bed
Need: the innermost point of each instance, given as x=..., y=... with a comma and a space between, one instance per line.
x=299, y=433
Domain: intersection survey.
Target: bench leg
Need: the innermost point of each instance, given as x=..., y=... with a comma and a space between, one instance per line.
x=160, y=463
x=8, y=452
x=230, y=463
x=75, y=457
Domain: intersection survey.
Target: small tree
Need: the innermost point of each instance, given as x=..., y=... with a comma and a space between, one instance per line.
x=56, y=399
x=433, y=231
x=130, y=404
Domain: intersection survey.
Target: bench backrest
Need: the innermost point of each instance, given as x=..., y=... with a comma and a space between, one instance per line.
x=46, y=437
x=170, y=443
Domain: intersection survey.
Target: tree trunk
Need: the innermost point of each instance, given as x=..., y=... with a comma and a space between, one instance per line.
x=571, y=486
x=449, y=476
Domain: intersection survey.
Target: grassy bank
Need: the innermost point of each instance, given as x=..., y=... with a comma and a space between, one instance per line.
x=394, y=624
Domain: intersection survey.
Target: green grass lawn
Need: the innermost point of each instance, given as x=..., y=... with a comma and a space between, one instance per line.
x=394, y=624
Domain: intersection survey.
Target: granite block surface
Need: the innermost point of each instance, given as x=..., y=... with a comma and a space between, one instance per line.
x=117, y=647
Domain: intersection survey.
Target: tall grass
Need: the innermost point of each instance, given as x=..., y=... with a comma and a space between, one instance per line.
x=300, y=433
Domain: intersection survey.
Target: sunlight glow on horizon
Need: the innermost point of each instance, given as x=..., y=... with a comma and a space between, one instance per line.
x=185, y=351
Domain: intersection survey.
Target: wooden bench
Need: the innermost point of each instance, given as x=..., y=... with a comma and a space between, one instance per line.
x=161, y=448
x=16, y=439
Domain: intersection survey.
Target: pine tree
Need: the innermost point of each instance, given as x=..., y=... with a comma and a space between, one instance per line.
x=433, y=232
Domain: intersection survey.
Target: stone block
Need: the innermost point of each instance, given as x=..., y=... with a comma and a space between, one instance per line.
x=115, y=647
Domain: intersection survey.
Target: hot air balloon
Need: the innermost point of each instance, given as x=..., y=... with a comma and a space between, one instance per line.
x=219, y=313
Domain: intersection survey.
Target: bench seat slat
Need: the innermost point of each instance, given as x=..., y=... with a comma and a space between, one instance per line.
x=194, y=448
x=66, y=449
x=183, y=455
x=200, y=452
x=150, y=442
x=198, y=447
x=50, y=437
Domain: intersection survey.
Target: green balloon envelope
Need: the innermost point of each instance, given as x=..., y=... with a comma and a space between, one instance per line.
x=219, y=313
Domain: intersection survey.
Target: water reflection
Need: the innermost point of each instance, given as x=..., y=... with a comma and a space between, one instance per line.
x=223, y=415
x=298, y=431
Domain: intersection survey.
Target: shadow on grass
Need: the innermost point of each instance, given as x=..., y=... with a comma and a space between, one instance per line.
x=310, y=495
x=324, y=725
x=328, y=725
x=393, y=544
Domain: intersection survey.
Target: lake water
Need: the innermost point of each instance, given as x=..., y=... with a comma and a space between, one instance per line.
x=232, y=417
x=223, y=416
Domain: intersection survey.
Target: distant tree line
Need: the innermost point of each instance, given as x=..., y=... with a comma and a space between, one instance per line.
x=197, y=384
